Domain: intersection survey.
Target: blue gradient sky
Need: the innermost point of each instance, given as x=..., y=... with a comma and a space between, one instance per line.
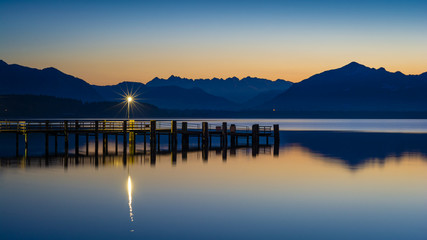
x=105, y=42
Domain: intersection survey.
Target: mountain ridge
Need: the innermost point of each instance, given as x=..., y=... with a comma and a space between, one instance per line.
x=233, y=88
x=17, y=79
x=354, y=87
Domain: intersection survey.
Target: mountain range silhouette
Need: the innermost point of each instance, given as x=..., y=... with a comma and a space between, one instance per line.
x=18, y=80
x=233, y=89
x=353, y=87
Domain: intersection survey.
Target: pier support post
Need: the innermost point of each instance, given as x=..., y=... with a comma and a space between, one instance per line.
x=46, y=143
x=153, y=136
x=233, y=139
x=205, y=135
x=96, y=137
x=87, y=144
x=255, y=134
x=276, y=133
x=224, y=141
x=125, y=140
x=276, y=139
x=76, y=138
x=205, y=141
x=66, y=137
x=255, y=139
x=56, y=143
x=174, y=134
x=184, y=136
x=184, y=140
x=105, y=144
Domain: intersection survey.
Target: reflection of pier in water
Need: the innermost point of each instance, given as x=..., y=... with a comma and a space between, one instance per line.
x=151, y=131
x=65, y=160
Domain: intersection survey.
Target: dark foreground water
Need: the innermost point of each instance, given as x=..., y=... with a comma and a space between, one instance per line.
x=321, y=185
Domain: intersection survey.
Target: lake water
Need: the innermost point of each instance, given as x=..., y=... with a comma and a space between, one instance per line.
x=329, y=179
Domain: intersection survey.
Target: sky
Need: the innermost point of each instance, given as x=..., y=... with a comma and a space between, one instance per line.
x=107, y=42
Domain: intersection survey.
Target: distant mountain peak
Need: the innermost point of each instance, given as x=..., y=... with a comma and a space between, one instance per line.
x=51, y=69
x=173, y=77
x=354, y=65
x=2, y=63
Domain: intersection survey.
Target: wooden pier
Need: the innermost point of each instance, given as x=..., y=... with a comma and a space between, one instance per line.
x=128, y=130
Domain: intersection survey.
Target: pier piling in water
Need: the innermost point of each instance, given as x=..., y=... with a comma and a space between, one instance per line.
x=66, y=137
x=96, y=137
x=205, y=134
x=46, y=143
x=224, y=137
x=184, y=135
x=276, y=133
x=153, y=135
x=174, y=134
x=76, y=137
x=233, y=142
x=125, y=139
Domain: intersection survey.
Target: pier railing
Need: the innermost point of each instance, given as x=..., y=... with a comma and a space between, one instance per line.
x=89, y=125
x=265, y=129
x=86, y=125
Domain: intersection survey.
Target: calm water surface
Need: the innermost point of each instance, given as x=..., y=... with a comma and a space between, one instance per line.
x=320, y=185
